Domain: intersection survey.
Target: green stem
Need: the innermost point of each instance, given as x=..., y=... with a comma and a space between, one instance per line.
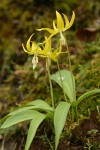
x=61, y=82
x=69, y=61
x=51, y=89
x=74, y=113
x=64, y=41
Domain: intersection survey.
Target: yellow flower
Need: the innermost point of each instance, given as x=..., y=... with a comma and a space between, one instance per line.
x=31, y=47
x=46, y=51
x=62, y=24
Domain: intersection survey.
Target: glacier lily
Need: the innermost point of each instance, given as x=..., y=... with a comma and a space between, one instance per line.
x=46, y=51
x=62, y=24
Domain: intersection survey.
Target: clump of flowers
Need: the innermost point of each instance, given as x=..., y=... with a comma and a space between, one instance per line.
x=59, y=26
x=62, y=24
x=38, y=110
x=46, y=51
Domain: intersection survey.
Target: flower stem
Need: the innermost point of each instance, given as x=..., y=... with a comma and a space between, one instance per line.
x=51, y=89
x=70, y=66
x=74, y=110
x=64, y=42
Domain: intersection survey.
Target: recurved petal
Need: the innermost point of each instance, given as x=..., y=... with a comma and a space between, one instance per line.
x=56, y=53
x=60, y=22
x=25, y=50
x=47, y=47
x=52, y=56
x=66, y=20
x=31, y=51
x=35, y=48
x=47, y=29
x=54, y=26
x=28, y=43
x=71, y=22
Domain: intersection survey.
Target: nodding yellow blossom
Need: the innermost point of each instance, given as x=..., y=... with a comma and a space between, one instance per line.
x=62, y=24
x=44, y=51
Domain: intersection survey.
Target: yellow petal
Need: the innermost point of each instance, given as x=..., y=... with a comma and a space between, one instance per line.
x=25, y=50
x=51, y=35
x=28, y=43
x=47, y=47
x=28, y=47
x=56, y=53
x=52, y=57
x=35, y=49
x=54, y=26
x=60, y=22
x=66, y=20
x=34, y=46
x=47, y=29
x=31, y=51
x=71, y=22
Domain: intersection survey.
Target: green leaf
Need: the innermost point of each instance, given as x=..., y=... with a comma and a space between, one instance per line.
x=41, y=104
x=3, y=120
x=32, y=129
x=49, y=115
x=68, y=82
x=60, y=116
x=87, y=94
x=37, y=104
x=21, y=109
x=19, y=117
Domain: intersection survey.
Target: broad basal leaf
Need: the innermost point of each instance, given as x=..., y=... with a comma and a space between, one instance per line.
x=32, y=129
x=41, y=104
x=21, y=109
x=19, y=117
x=68, y=82
x=60, y=116
x=3, y=120
x=87, y=94
x=37, y=104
